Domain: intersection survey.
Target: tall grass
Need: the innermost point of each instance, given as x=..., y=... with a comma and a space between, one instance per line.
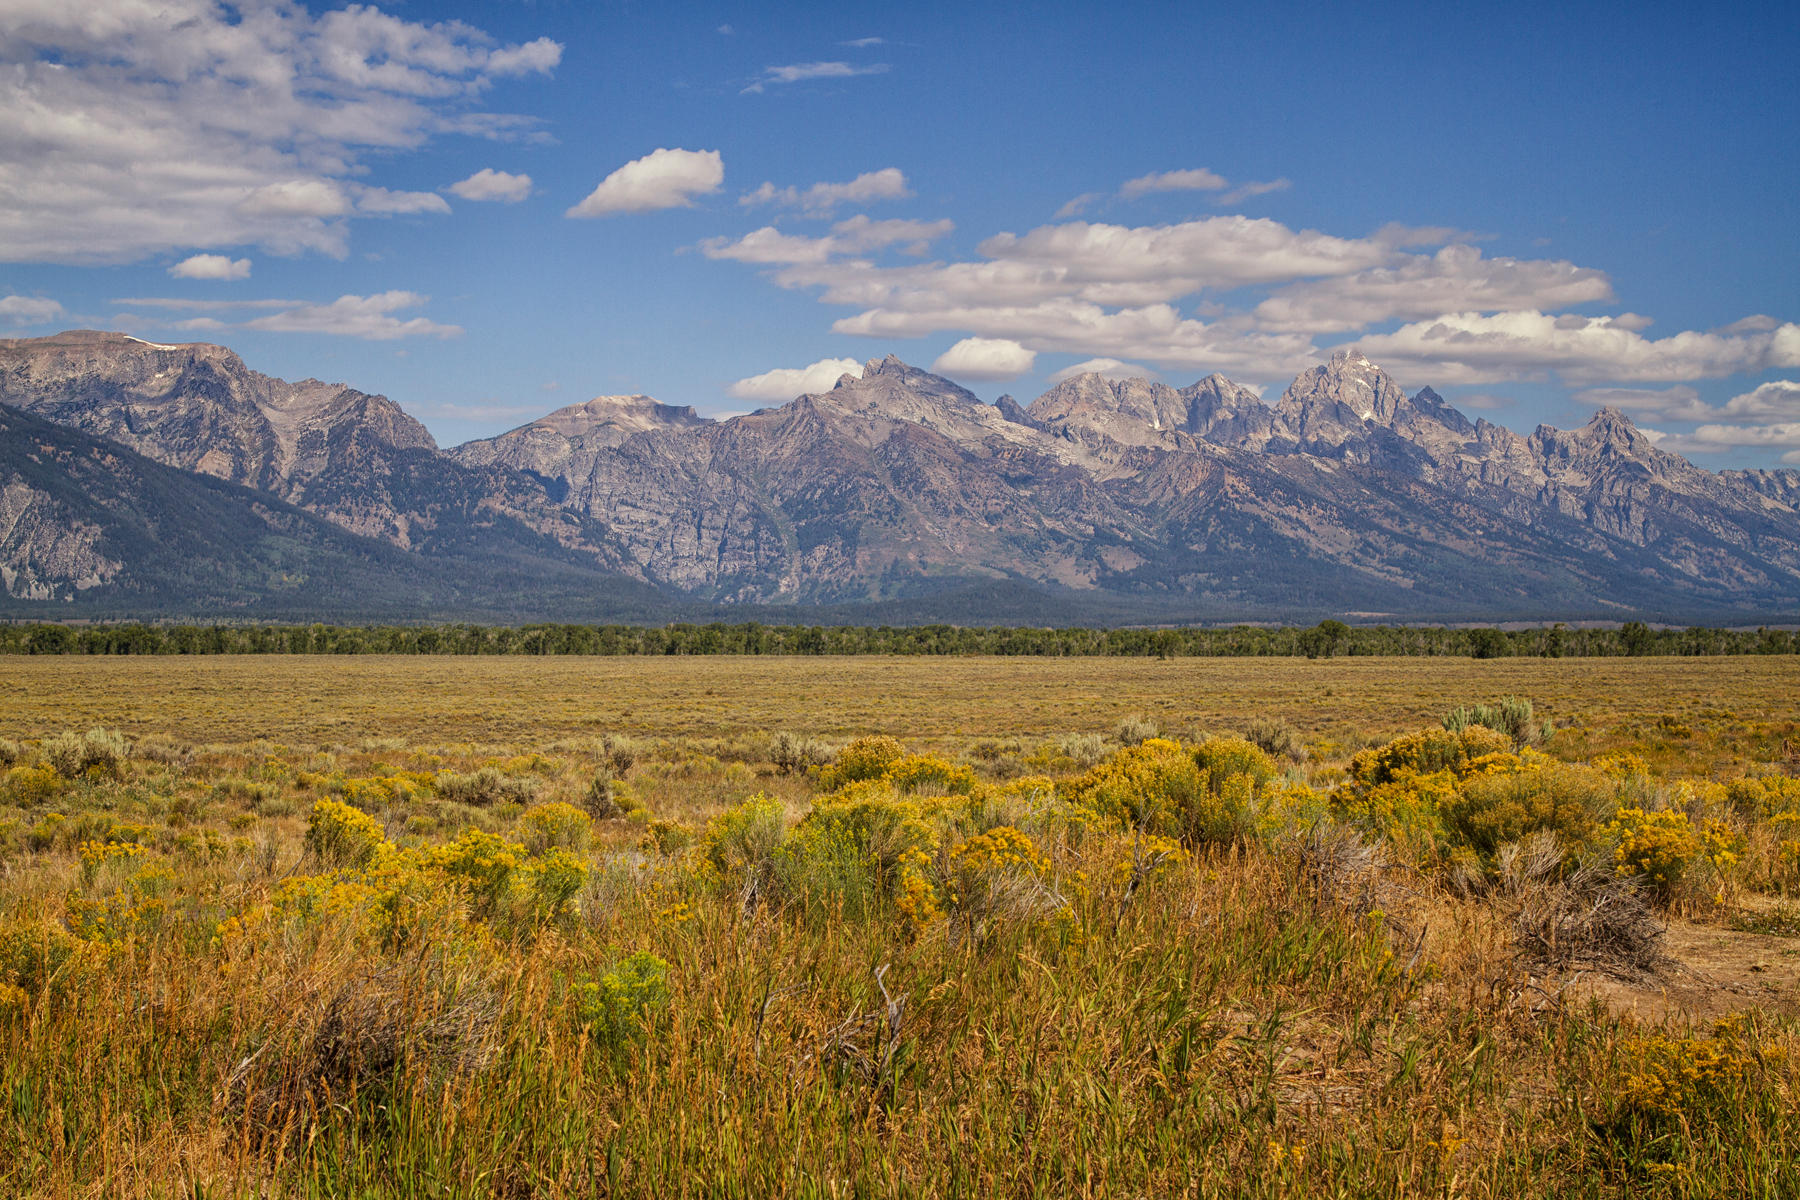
x=341, y=982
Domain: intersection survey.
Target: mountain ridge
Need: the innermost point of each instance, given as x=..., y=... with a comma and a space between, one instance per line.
x=1346, y=495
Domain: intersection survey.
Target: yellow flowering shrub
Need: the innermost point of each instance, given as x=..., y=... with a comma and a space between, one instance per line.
x=1149, y=786
x=1765, y=796
x=613, y=1007
x=1426, y=752
x=929, y=772
x=864, y=758
x=915, y=898
x=554, y=880
x=376, y=792
x=342, y=835
x=1656, y=846
x=741, y=843
x=1691, y=1084
x=99, y=855
x=481, y=863
x=36, y=955
x=1786, y=827
x=1494, y=807
x=27, y=787
x=556, y=824
x=995, y=875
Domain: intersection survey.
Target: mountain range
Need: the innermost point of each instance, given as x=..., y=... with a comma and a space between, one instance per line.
x=140, y=478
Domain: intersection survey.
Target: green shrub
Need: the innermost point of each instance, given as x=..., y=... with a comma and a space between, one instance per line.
x=99, y=751
x=1512, y=717
x=614, y=1006
x=1276, y=738
x=1491, y=809
x=486, y=787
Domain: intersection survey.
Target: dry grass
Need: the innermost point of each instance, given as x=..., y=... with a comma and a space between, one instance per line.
x=1697, y=715
x=1300, y=1012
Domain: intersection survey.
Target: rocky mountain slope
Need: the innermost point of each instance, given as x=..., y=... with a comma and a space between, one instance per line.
x=89, y=528
x=1344, y=497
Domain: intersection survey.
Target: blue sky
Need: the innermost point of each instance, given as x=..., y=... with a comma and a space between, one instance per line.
x=489, y=210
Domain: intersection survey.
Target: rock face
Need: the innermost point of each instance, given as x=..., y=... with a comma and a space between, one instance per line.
x=355, y=459
x=1345, y=496
x=90, y=528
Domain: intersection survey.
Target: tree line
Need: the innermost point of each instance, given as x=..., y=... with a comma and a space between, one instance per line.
x=1325, y=640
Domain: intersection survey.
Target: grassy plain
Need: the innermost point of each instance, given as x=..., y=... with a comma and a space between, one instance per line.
x=567, y=927
x=1732, y=710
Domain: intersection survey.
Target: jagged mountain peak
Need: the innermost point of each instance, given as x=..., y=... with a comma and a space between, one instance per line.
x=897, y=481
x=888, y=379
x=1131, y=411
x=1348, y=386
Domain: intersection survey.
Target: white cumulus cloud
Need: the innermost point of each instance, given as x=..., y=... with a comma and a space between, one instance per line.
x=664, y=178
x=856, y=235
x=211, y=266
x=368, y=317
x=784, y=383
x=489, y=184
x=985, y=358
x=1455, y=279
x=1473, y=347
x=130, y=128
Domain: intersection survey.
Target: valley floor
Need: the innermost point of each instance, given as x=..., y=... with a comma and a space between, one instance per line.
x=867, y=926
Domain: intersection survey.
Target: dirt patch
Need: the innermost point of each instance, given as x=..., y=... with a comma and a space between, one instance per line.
x=1717, y=970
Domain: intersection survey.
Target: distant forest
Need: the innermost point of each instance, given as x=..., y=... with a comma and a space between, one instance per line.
x=1325, y=640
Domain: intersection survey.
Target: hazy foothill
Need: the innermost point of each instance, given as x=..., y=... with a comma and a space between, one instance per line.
x=1121, y=600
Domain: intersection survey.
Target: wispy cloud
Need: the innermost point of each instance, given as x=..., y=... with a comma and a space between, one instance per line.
x=820, y=199
x=800, y=72
x=28, y=310
x=367, y=317
x=1245, y=191
x=1199, y=179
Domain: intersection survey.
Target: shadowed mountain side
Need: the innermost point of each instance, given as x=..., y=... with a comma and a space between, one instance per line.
x=89, y=528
